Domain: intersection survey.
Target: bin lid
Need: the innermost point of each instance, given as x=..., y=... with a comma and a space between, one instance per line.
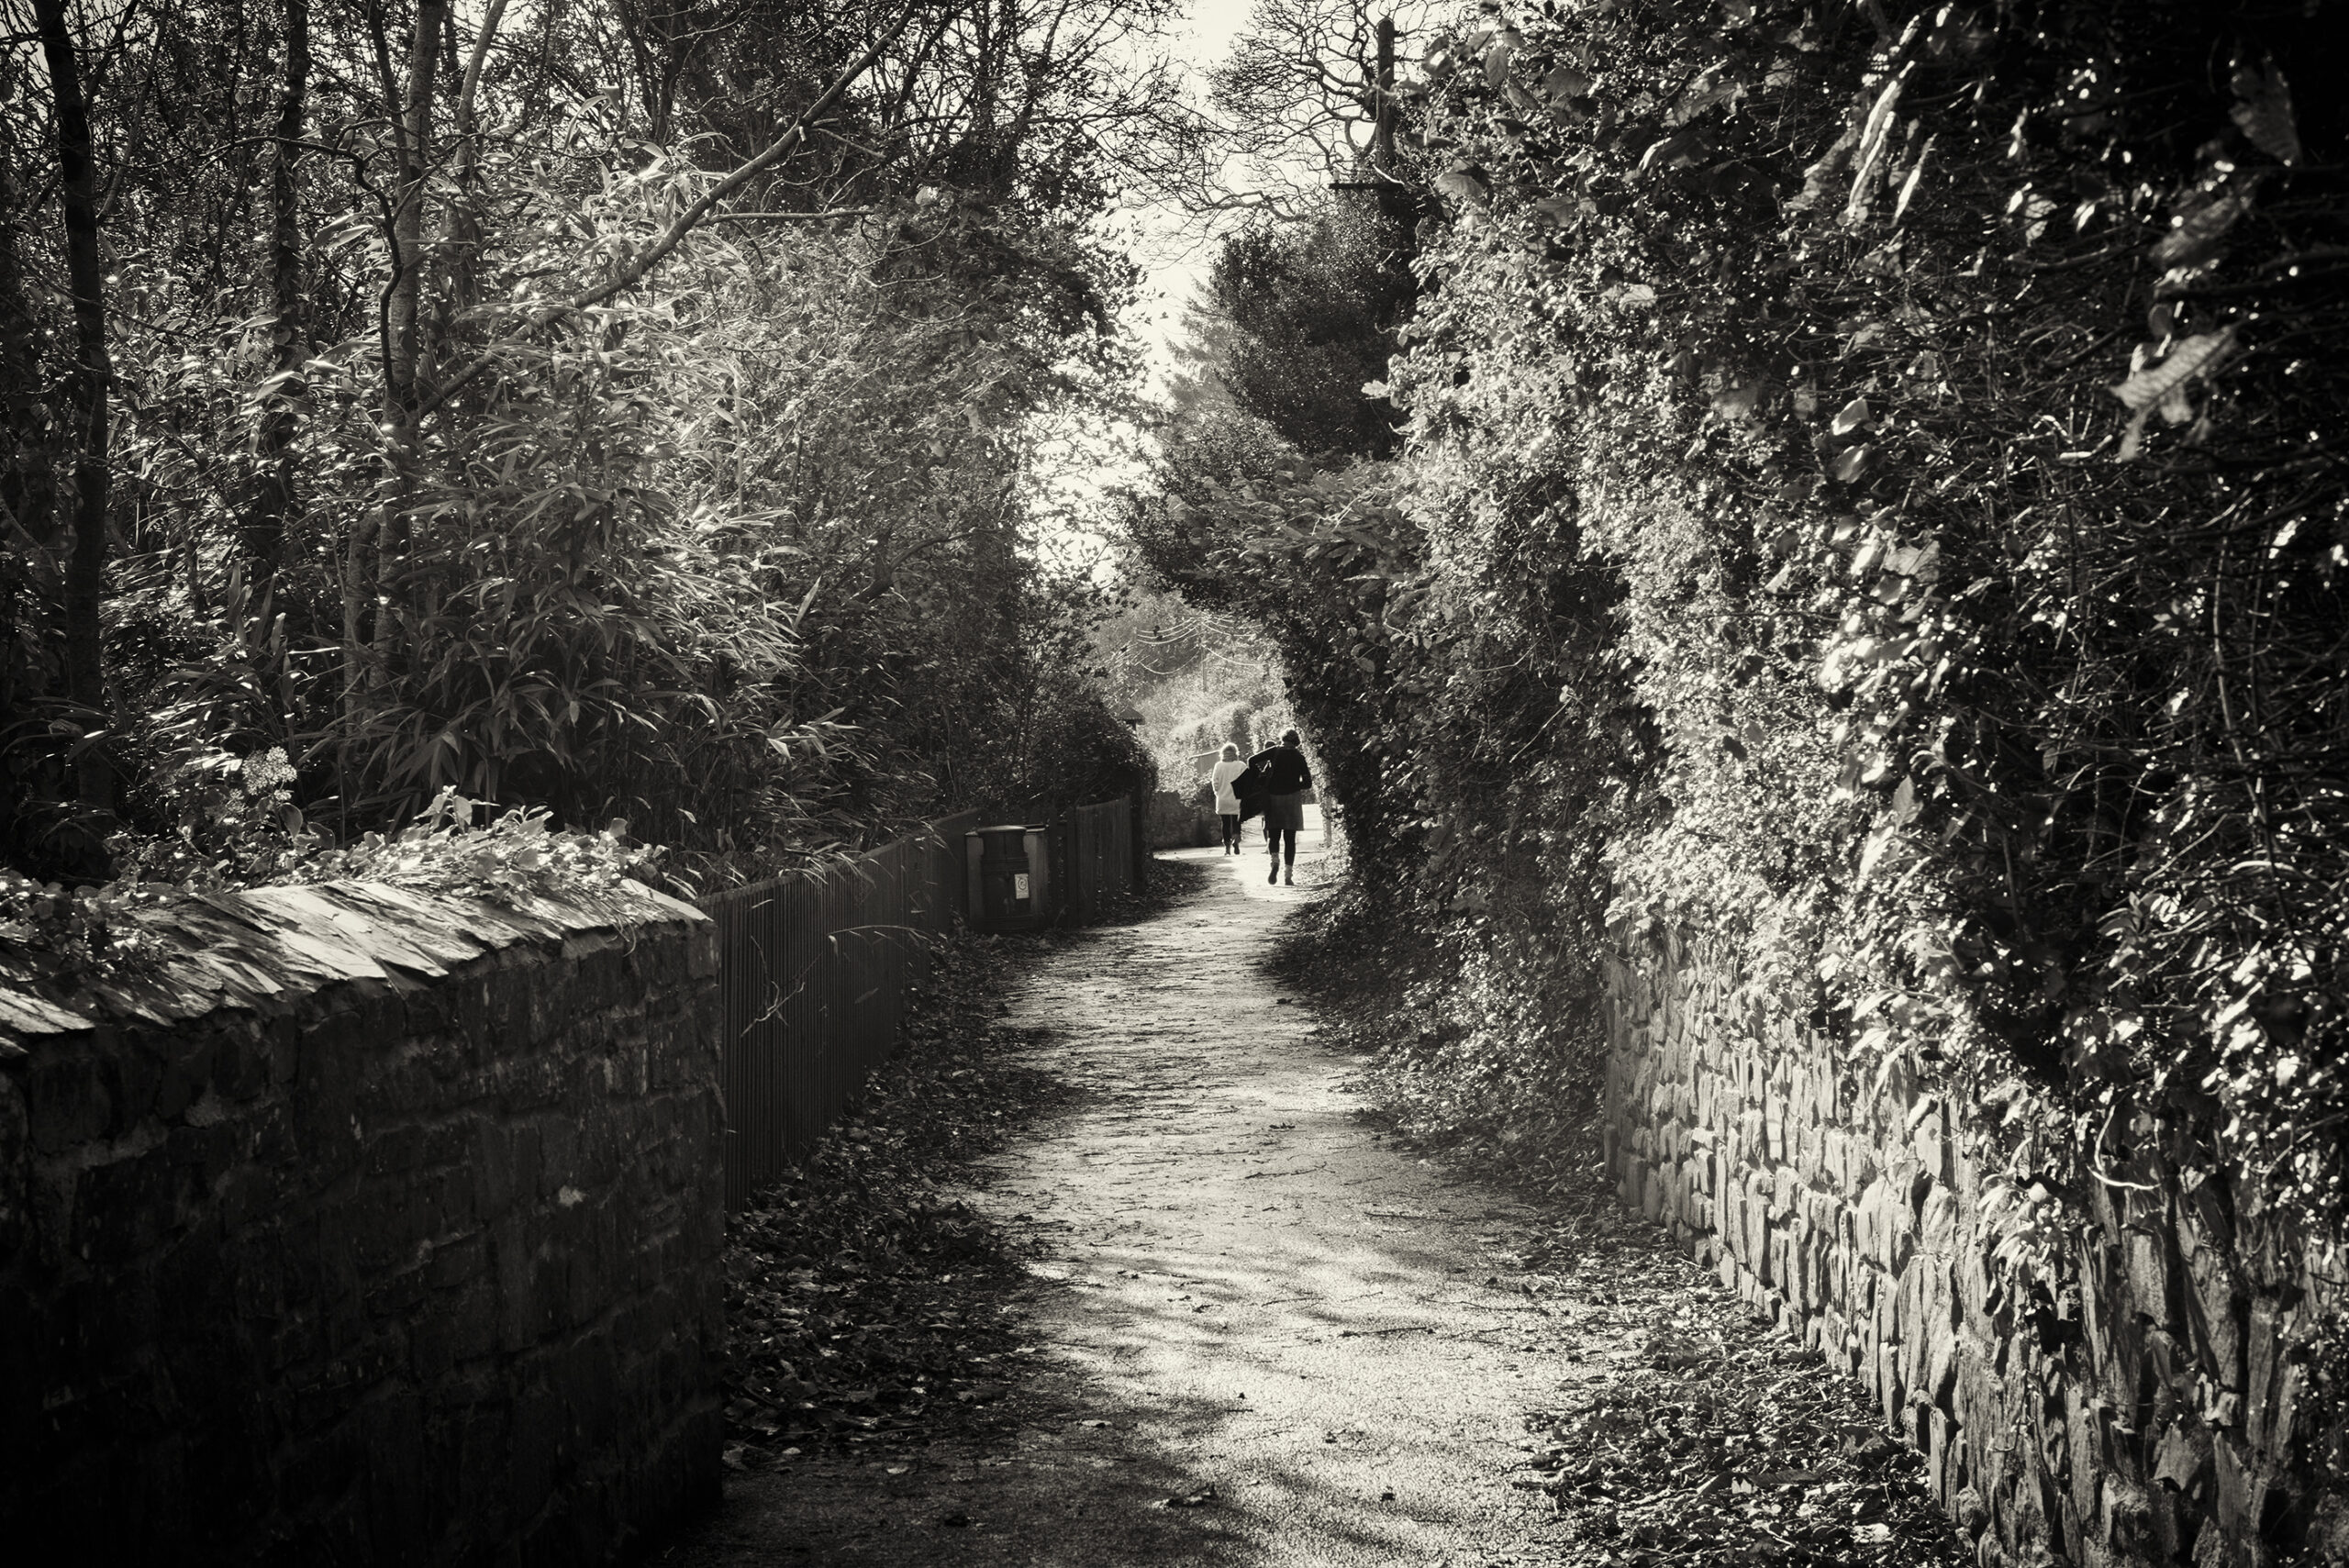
x=1002, y=828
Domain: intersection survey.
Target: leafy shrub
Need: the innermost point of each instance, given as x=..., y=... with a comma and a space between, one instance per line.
x=639, y=490
x=70, y=937
x=507, y=857
x=66, y=938
x=1871, y=500
x=237, y=821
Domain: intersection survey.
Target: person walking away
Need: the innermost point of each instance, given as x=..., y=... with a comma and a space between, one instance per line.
x=1227, y=803
x=1286, y=778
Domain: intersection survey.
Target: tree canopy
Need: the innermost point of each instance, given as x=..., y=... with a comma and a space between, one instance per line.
x=622, y=409
x=1871, y=495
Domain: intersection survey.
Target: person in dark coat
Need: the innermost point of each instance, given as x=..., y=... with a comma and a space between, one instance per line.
x=1286, y=778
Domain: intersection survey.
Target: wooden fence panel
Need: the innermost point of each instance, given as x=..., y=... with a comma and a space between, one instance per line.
x=814, y=969
x=1100, y=856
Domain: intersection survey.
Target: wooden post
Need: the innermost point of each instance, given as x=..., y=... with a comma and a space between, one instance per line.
x=1382, y=147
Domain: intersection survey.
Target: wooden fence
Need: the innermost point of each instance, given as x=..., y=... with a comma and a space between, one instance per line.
x=1099, y=857
x=815, y=968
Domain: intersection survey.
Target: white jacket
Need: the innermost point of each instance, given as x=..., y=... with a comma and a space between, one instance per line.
x=1226, y=803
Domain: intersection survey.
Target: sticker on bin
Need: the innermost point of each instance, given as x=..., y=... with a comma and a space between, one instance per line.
x=1020, y=884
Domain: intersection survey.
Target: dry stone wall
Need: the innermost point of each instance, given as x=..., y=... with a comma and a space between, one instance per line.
x=366, y=1227
x=2147, y=1398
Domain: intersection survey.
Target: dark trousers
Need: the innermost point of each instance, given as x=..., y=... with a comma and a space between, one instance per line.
x=1275, y=837
x=1230, y=820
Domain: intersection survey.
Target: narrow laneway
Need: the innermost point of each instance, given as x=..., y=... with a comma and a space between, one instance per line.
x=1270, y=1337
x=1270, y=1301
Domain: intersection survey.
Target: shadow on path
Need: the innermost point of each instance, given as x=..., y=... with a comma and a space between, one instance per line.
x=1245, y=1300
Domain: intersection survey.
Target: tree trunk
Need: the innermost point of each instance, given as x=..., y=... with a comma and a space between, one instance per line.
x=26, y=492
x=27, y=515
x=85, y=386
x=408, y=216
x=264, y=532
x=404, y=379
x=464, y=204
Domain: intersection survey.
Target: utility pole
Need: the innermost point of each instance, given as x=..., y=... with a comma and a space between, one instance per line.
x=1397, y=204
x=1382, y=149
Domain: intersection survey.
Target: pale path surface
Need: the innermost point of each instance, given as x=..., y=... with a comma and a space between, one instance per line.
x=1244, y=1288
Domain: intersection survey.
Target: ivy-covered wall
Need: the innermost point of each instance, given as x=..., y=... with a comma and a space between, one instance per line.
x=364, y=1227
x=2137, y=1405
x=1866, y=496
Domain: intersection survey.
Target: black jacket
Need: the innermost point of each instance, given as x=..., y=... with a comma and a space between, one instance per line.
x=1282, y=769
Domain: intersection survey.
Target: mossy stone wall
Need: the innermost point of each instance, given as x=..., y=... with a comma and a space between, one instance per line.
x=368, y=1228
x=2149, y=1402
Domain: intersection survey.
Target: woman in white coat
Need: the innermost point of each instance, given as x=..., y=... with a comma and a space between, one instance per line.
x=1227, y=803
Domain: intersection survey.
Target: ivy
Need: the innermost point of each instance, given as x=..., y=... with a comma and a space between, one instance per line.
x=1872, y=492
x=68, y=937
x=1986, y=652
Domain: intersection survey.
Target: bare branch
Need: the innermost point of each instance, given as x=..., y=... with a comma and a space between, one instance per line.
x=686, y=222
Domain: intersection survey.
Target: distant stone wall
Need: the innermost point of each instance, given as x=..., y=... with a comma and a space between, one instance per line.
x=377, y=1228
x=2151, y=1408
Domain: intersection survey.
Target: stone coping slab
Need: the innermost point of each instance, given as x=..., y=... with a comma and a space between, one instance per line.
x=262, y=949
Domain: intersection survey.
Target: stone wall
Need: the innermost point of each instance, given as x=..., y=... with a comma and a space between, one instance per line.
x=2146, y=1399
x=364, y=1228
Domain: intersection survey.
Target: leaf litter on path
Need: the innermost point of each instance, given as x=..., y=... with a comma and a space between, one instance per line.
x=1718, y=1441
x=865, y=1299
x=867, y=1304
x=1686, y=1430
x=1682, y=1432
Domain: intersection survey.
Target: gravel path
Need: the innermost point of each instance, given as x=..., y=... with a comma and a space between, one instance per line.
x=1262, y=1334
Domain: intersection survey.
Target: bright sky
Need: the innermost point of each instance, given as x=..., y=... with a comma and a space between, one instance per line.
x=1173, y=251
x=1177, y=266
x=1074, y=471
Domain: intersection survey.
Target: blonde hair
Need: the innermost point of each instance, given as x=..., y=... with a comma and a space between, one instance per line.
x=1230, y=750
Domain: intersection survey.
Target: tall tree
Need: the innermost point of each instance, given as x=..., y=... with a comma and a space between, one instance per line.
x=86, y=389
x=1314, y=307
x=560, y=465
x=264, y=529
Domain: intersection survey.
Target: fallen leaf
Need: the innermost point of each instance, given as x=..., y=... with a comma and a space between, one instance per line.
x=2202, y=223
x=2149, y=383
x=2263, y=112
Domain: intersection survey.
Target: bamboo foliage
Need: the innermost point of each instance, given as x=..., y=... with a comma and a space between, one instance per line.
x=675, y=480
